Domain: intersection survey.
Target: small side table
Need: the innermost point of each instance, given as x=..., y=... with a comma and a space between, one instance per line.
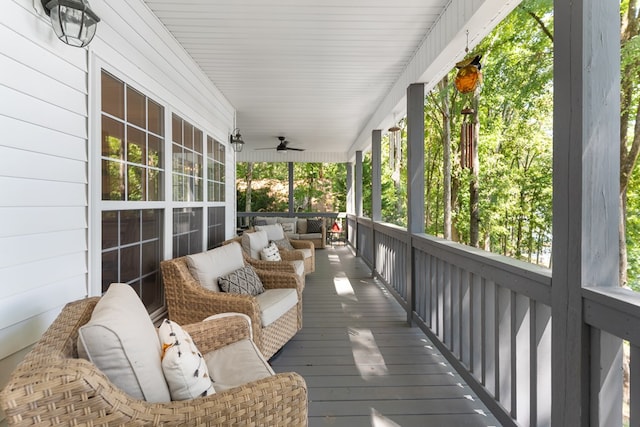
x=335, y=236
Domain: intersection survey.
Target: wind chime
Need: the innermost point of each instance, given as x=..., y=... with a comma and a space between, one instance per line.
x=467, y=80
x=395, y=151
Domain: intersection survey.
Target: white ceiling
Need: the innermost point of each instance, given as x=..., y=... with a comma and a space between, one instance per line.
x=313, y=71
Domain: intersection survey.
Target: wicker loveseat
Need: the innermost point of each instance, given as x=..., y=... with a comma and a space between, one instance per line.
x=298, y=228
x=52, y=386
x=188, y=301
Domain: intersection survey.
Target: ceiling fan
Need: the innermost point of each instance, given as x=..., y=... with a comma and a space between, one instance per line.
x=283, y=146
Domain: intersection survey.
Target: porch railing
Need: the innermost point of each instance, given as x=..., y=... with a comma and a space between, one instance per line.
x=490, y=315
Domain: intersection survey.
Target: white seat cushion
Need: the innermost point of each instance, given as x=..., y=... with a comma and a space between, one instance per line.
x=274, y=303
x=309, y=236
x=122, y=342
x=236, y=364
x=208, y=266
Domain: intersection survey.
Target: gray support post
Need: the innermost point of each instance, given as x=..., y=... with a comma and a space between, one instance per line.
x=376, y=175
x=415, y=158
x=358, y=197
x=585, y=209
x=376, y=189
x=358, y=185
x=291, y=199
x=415, y=181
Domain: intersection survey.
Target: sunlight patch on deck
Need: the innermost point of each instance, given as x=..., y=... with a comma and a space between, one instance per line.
x=379, y=420
x=366, y=354
x=344, y=288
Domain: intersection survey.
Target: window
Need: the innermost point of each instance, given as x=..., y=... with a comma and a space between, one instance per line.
x=187, y=161
x=151, y=190
x=216, y=170
x=132, y=141
x=131, y=252
x=187, y=231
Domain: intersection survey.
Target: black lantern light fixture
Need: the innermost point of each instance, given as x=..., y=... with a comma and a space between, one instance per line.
x=73, y=21
x=236, y=141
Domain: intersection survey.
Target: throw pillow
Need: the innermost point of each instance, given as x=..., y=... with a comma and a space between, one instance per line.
x=244, y=280
x=314, y=226
x=253, y=243
x=208, y=266
x=271, y=253
x=274, y=231
x=283, y=244
x=184, y=367
x=289, y=227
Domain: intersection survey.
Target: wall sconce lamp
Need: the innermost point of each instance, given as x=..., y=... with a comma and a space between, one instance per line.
x=236, y=141
x=73, y=21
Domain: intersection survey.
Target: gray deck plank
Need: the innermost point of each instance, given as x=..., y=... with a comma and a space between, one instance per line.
x=364, y=366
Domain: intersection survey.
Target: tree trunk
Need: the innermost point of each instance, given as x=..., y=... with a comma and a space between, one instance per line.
x=446, y=155
x=474, y=186
x=249, y=180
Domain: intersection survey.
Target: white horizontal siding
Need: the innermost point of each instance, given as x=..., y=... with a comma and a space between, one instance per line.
x=45, y=116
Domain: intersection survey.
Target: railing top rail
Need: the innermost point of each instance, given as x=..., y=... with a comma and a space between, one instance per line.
x=614, y=310
x=522, y=277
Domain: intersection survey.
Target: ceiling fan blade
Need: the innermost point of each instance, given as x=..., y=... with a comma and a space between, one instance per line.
x=295, y=149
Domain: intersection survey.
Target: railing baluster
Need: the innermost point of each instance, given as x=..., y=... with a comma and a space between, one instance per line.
x=504, y=347
x=465, y=319
x=491, y=347
x=455, y=308
x=634, y=384
x=476, y=327
x=524, y=354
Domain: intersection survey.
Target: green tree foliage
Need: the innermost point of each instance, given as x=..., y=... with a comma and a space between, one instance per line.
x=515, y=141
x=318, y=187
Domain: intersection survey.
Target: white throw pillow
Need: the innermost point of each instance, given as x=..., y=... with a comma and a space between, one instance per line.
x=184, y=367
x=274, y=231
x=288, y=227
x=271, y=253
x=208, y=266
x=254, y=242
x=122, y=342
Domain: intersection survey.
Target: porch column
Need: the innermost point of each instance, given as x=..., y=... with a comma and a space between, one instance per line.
x=585, y=209
x=376, y=175
x=415, y=158
x=350, y=206
x=358, y=184
x=415, y=181
x=291, y=199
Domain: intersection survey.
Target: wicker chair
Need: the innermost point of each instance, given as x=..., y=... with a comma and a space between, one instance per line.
x=52, y=386
x=286, y=255
x=189, y=302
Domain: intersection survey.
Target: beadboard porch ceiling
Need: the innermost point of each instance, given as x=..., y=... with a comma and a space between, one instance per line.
x=323, y=73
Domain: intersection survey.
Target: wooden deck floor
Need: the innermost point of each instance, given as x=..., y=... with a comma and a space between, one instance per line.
x=363, y=364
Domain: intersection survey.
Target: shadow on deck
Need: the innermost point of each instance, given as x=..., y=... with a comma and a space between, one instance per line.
x=363, y=364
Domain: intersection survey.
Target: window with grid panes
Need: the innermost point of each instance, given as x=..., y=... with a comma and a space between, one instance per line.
x=187, y=161
x=215, y=170
x=132, y=153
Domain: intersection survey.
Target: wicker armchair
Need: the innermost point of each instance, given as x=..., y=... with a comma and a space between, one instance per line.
x=286, y=255
x=52, y=386
x=189, y=302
